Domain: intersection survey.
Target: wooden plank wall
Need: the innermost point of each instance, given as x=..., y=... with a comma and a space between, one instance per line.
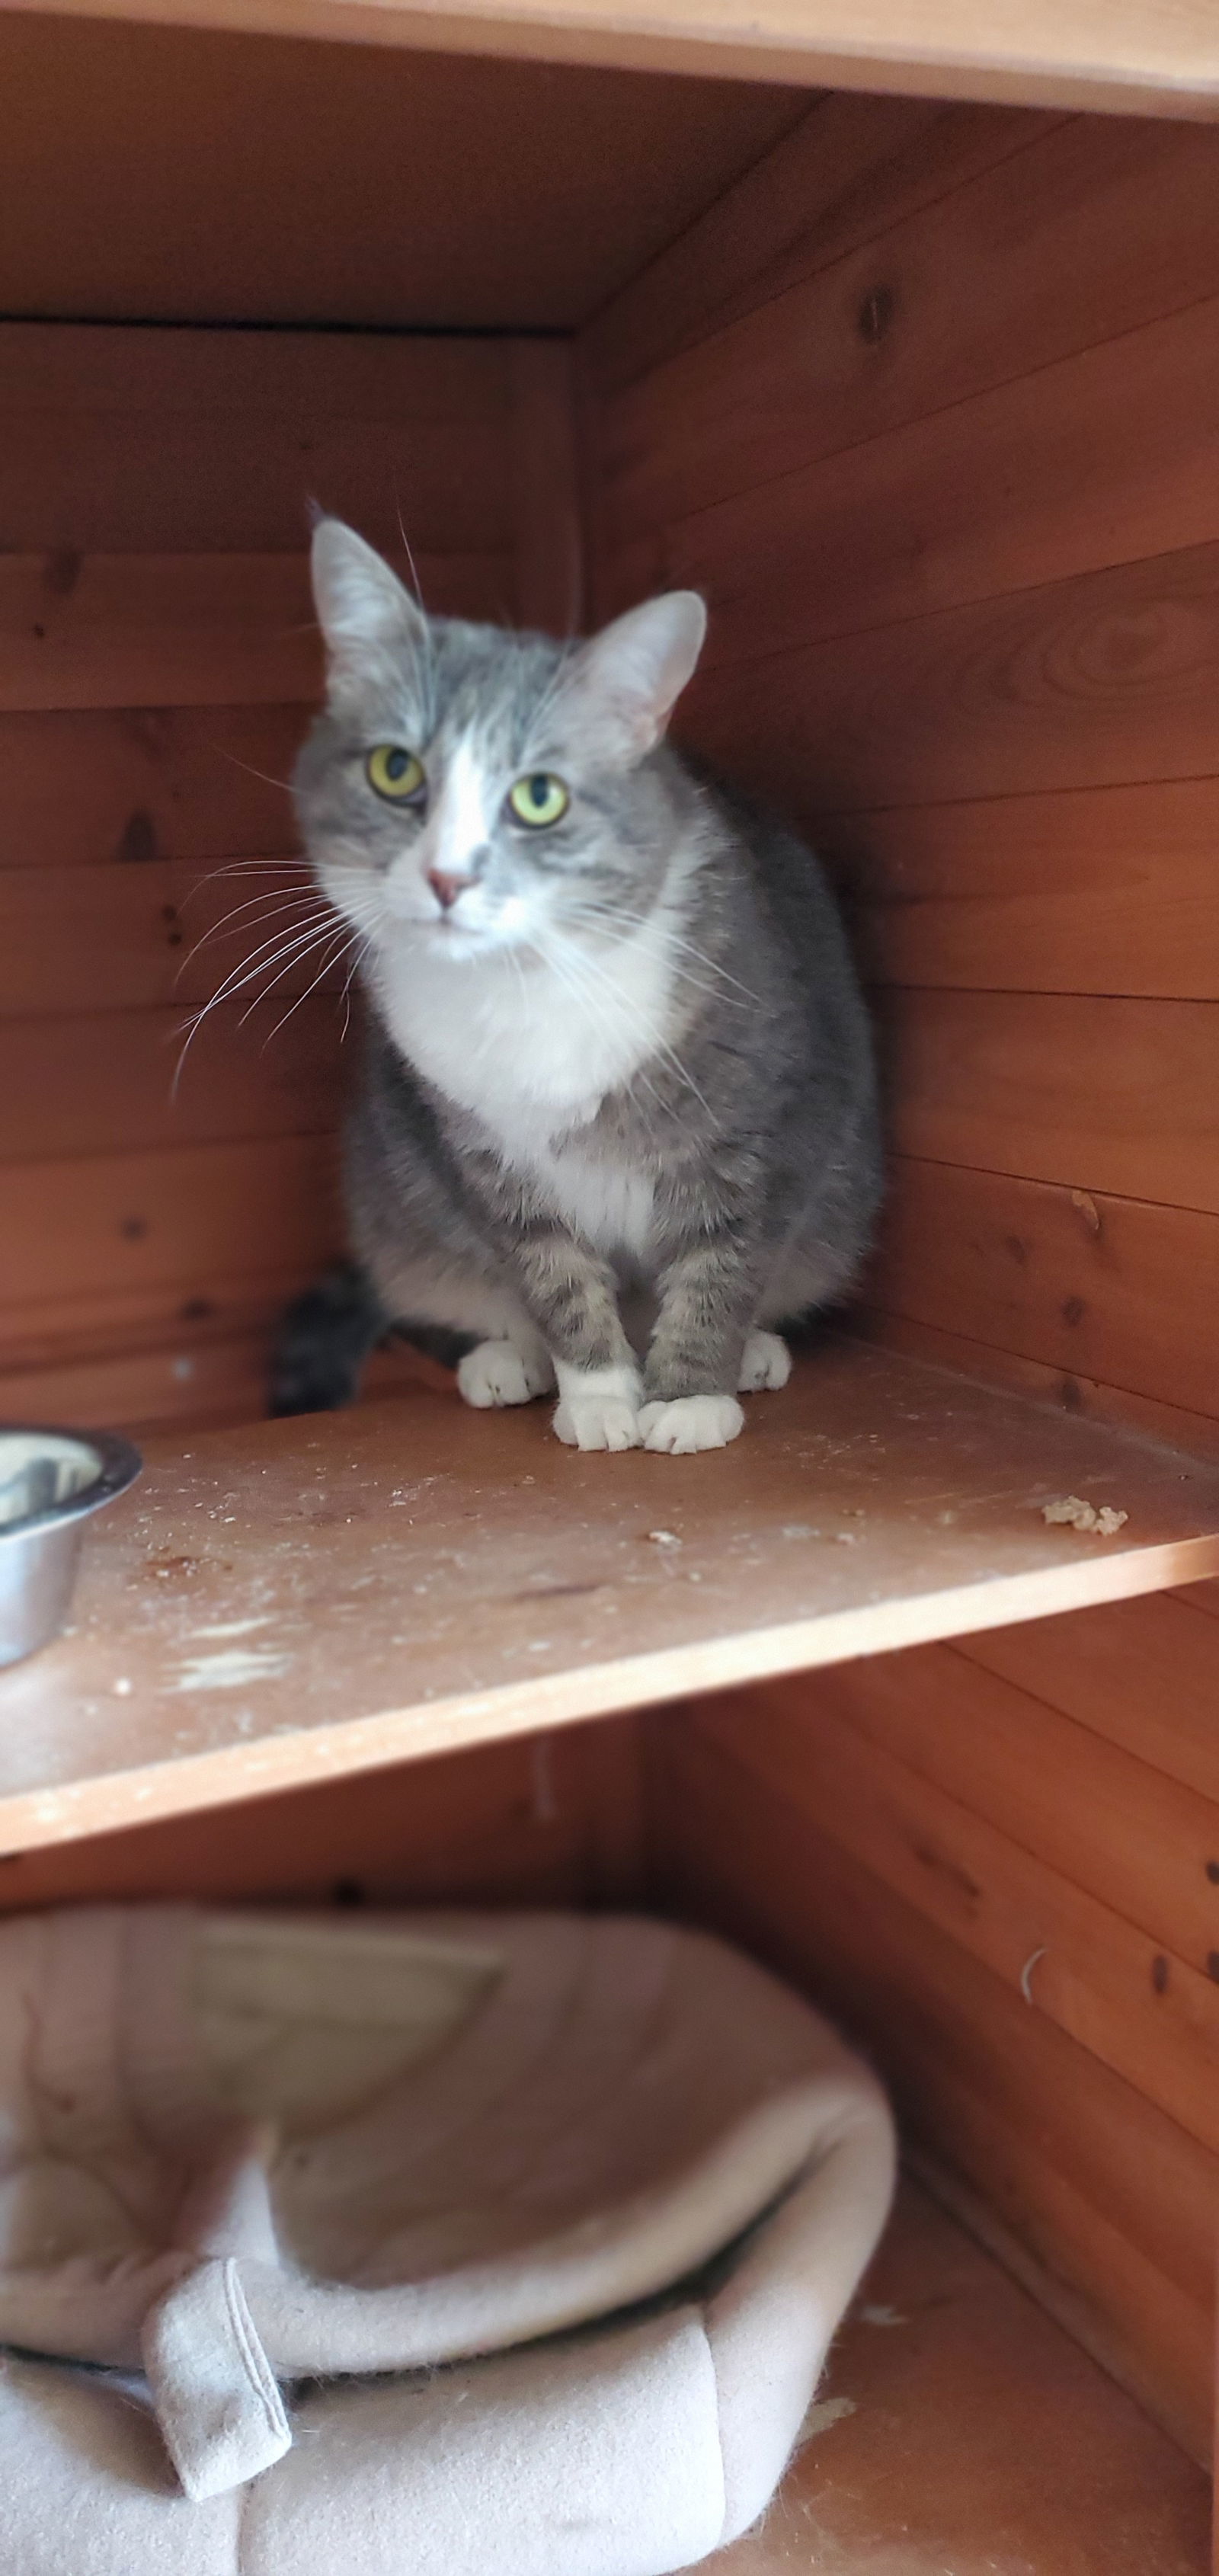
x=940, y=450
x=543, y=1820
x=957, y=1852
x=157, y=666
x=928, y=408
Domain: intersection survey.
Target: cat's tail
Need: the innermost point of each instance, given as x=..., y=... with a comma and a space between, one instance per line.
x=323, y=1342
x=328, y=1334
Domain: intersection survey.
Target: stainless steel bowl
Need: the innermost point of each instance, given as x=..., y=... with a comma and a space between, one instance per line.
x=50, y=1482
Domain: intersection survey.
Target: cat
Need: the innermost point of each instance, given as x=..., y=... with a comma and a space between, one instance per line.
x=618, y=1117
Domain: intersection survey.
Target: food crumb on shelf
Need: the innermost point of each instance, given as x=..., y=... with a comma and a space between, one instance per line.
x=1071, y=1513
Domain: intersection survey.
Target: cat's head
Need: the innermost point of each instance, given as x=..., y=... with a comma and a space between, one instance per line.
x=470, y=790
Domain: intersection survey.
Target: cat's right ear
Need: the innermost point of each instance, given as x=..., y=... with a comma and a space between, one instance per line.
x=365, y=614
x=631, y=675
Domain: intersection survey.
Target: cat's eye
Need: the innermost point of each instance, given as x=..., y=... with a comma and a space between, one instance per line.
x=395, y=773
x=539, y=799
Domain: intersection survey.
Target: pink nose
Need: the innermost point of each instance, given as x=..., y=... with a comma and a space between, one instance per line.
x=446, y=889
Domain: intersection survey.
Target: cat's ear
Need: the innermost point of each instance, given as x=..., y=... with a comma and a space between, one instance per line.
x=631, y=675
x=363, y=610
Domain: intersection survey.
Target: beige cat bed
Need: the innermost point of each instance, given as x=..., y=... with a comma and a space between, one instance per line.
x=611, y=2174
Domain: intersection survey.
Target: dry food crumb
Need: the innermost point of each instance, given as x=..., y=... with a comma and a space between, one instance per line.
x=664, y=1538
x=1071, y=1513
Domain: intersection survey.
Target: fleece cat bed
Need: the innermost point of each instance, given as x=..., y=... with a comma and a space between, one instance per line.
x=595, y=2191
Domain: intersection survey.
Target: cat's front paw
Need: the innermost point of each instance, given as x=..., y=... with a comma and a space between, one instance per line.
x=597, y=1422
x=497, y=1373
x=598, y=1408
x=685, y=1423
x=765, y=1362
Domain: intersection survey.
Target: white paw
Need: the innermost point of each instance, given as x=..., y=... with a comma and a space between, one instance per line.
x=598, y=1408
x=597, y=1422
x=690, y=1422
x=765, y=1361
x=497, y=1373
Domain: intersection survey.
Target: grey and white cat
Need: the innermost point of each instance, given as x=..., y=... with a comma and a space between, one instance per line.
x=618, y=1116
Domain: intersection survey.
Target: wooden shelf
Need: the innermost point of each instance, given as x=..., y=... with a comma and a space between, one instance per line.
x=301, y=1599
x=1142, y=59
x=959, y=2431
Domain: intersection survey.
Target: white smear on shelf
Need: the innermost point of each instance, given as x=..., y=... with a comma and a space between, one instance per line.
x=829, y=2410
x=232, y=1671
x=235, y=1627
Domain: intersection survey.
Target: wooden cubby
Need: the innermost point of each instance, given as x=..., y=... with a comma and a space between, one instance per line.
x=896, y=331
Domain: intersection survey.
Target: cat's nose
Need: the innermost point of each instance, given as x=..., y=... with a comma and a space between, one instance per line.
x=446, y=888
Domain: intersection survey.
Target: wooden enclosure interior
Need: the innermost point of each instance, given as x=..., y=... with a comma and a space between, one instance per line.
x=924, y=396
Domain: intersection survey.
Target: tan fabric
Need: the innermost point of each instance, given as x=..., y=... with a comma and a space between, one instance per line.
x=259, y=2149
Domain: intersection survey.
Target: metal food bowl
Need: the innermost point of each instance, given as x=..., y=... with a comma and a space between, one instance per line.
x=50, y=1481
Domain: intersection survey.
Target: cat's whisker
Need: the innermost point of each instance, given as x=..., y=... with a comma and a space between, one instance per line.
x=660, y=1045
x=555, y=683
x=288, y=958
x=256, y=958
x=361, y=953
x=247, y=868
x=271, y=911
x=248, y=767
x=629, y=921
x=566, y=965
x=232, y=985
x=333, y=959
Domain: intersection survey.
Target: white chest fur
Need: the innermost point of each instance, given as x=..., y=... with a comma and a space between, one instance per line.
x=606, y=1204
x=532, y=1050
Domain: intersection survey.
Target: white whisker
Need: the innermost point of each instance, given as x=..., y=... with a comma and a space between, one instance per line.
x=333, y=957
x=270, y=911
x=248, y=767
x=245, y=867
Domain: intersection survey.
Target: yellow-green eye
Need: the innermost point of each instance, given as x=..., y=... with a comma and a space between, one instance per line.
x=539, y=799
x=394, y=772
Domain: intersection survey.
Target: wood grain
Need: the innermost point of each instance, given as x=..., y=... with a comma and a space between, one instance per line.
x=1144, y=1674
x=118, y=938
x=1108, y=1823
x=186, y=629
x=1109, y=890
x=338, y=202
x=515, y=1823
x=942, y=2020
x=400, y=376
x=192, y=1379
x=546, y=509
x=353, y=1536
x=1007, y=274
x=200, y=1375
x=1139, y=2008
x=1113, y=447
x=1070, y=2156
x=968, y=2354
x=1100, y=1094
x=1092, y=1398
x=1092, y=1287
x=1083, y=55
x=1106, y=679
x=103, y=1084
x=183, y=1215
x=147, y=783
x=851, y=169
x=235, y=480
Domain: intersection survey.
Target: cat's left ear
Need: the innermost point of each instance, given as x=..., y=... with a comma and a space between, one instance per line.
x=364, y=613
x=631, y=676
